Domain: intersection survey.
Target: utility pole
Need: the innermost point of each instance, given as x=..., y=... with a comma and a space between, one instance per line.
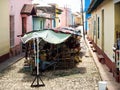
x=82, y=18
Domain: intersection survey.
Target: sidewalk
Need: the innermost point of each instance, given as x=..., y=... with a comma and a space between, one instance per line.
x=104, y=71
x=10, y=61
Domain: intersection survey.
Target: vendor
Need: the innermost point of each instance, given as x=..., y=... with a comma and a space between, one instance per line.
x=49, y=58
x=51, y=52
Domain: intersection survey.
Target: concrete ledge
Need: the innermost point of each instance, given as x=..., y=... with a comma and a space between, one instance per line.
x=101, y=58
x=10, y=61
x=94, y=50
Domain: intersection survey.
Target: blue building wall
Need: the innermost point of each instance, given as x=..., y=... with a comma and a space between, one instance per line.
x=86, y=4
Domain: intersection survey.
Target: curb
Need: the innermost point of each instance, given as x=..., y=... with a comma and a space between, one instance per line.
x=86, y=42
x=10, y=61
x=96, y=61
x=104, y=71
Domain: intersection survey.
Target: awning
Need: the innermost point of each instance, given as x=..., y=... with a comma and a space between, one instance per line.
x=28, y=9
x=47, y=35
x=45, y=9
x=49, y=9
x=45, y=17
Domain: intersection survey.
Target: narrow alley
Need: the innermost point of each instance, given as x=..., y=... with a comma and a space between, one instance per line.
x=67, y=44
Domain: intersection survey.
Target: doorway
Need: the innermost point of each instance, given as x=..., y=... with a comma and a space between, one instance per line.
x=102, y=35
x=11, y=31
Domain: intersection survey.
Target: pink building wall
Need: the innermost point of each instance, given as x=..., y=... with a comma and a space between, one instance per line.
x=15, y=9
x=65, y=17
x=48, y=21
x=62, y=18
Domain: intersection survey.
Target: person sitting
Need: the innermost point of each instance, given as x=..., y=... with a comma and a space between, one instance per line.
x=48, y=62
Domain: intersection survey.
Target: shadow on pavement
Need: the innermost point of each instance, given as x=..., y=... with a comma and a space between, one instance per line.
x=7, y=70
x=51, y=74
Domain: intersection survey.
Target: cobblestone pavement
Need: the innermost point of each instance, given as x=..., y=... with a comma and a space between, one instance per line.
x=83, y=77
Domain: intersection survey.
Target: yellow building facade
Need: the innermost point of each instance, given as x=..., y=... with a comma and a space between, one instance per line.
x=4, y=29
x=56, y=16
x=57, y=13
x=105, y=30
x=103, y=25
x=77, y=19
x=117, y=21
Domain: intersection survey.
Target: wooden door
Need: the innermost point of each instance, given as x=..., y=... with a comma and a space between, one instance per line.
x=11, y=31
x=102, y=35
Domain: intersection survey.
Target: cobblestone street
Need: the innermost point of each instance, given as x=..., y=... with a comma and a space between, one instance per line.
x=84, y=76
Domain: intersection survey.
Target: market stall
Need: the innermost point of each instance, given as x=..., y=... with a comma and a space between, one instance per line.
x=49, y=46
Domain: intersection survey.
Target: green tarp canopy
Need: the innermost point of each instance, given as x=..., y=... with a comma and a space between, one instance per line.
x=47, y=35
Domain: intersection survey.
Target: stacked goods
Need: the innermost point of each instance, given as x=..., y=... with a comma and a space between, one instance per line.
x=65, y=53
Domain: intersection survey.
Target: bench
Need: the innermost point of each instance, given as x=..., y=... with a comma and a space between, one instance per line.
x=101, y=58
